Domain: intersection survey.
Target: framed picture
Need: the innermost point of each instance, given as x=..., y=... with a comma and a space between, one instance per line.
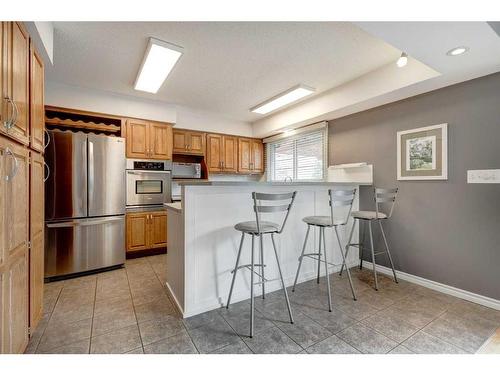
x=423, y=153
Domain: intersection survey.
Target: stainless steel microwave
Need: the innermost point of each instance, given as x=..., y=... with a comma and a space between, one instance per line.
x=186, y=170
x=148, y=182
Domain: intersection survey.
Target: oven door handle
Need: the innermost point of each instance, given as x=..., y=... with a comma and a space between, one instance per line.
x=139, y=173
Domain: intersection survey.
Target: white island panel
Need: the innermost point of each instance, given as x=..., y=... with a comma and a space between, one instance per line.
x=210, y=242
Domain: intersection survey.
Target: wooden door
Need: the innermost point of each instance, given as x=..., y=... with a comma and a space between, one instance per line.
x=257, y=156
x=244, y=155
x=160, y=136
x=137, y=231
x=14, y=246
x=17, y=67
x=196, y=144
x=214, y=152
x=36, y=248
x=230, y=154
x=180, y=141
x=158, y=229
x=137, y=139
x=37, y=110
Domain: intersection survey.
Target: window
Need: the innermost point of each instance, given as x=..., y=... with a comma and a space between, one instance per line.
x=300, y=157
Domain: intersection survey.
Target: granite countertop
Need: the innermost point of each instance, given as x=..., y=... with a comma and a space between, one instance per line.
x=175, y=206
x=266, y=183
x=158, y=207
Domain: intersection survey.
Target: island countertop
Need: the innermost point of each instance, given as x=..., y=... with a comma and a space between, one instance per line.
x=266, y=183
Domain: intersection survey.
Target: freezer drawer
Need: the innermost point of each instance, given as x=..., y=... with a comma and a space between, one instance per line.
x=83, y=245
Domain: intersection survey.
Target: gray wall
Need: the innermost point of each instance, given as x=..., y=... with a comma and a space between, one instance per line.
x=446, y=231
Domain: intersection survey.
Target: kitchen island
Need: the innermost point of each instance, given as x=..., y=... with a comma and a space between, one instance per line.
x=203, y=244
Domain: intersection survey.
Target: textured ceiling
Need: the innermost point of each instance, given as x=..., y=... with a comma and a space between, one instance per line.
x=226, y=68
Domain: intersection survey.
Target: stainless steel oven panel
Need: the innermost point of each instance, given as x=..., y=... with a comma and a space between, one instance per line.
x=167, y=164
x=81, y=245
x=140, y=199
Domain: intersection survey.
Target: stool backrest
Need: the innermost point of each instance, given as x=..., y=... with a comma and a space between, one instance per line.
x=341, y=198
x=385, y=197
x=284, y=206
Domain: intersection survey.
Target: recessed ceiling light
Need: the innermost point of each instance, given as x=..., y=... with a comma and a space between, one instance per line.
x=287, y=97
x=157, y=64
x=403, y=60
x=457, y=51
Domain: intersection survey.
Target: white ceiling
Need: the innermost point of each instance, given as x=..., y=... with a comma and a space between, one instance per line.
x=226, y=67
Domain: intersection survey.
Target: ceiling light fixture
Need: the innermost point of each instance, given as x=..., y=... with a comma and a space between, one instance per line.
x=403, y=60
x=457, y=51
x=287, y=97
x=158, y=62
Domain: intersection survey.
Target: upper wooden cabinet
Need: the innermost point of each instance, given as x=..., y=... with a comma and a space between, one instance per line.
x=222, y=153
x=37, y=110
x=148, y=140
x=15, y=81
x=188, y=142
x=250, y=155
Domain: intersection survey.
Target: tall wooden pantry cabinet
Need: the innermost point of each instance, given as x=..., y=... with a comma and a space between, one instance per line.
x=22, y=171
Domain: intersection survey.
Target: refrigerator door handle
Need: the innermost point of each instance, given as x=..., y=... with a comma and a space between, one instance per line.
x=91, y=170
x=103, y=220
x=66, y=224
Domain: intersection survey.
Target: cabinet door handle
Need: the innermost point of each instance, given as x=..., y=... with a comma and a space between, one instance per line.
x=16, y=165
x=46, y=166
x=46, y=144
x=9, y=123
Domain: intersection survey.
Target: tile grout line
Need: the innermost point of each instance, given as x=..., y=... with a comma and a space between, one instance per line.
x=93, y=314
x=244, y=342
x=133, y=307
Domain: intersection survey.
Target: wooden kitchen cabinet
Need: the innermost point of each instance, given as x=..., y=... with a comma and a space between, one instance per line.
x=146, y=230
x=188, y=142
x=250, y=155
x=14, y=224
x=222, y=153
x=36, y=238
x=148, y=140
x=37, y=109
x=16, y=80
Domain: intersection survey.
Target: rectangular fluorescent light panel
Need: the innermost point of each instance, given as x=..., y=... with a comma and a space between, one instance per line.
x=289, y=96
x=158, y=62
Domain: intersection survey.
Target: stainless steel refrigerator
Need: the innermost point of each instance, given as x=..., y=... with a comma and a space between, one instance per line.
x=84, y=203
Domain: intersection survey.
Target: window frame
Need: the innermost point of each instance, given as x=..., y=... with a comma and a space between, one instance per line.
x=317, y=128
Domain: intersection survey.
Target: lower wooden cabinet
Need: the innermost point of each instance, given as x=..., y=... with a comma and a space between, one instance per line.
x=146, y=230
x=36, y=248
x=14, y=266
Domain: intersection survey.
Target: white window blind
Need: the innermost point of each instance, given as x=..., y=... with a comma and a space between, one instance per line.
x=301, y=157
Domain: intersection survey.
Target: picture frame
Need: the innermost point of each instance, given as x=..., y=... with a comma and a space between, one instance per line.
x=422, y=153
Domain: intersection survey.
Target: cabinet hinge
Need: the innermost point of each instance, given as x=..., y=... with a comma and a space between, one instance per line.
x=29, y=331
x=29, y=244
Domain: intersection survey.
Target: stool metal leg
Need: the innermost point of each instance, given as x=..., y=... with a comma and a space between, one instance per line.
x=282, y=281
x=388, y=252
x=322, y=229
x=348, y=246
x=261, y=257
x=319, y=253
x=235, y=269
x=301, y=258
x=373, y=254
x=251, y=287
x=362, y=245
x=344, y=262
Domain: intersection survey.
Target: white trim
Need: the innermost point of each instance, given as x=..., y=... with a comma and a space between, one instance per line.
x=444, y=153
x=434, y=285
x=295, y=132
x=176, y=302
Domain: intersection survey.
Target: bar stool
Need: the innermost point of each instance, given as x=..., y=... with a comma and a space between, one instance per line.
x=338, y=198
x=260, y=228
x=381, y=197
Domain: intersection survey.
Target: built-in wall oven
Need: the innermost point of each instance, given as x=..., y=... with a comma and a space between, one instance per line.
x=148, y=182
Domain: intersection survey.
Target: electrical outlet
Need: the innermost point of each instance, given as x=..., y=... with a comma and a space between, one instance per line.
x=483, y=176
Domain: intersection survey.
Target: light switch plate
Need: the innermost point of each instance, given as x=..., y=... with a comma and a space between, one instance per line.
x=483, y=176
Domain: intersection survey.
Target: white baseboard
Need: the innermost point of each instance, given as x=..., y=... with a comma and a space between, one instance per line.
x=447, y=289
x=176, y=302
